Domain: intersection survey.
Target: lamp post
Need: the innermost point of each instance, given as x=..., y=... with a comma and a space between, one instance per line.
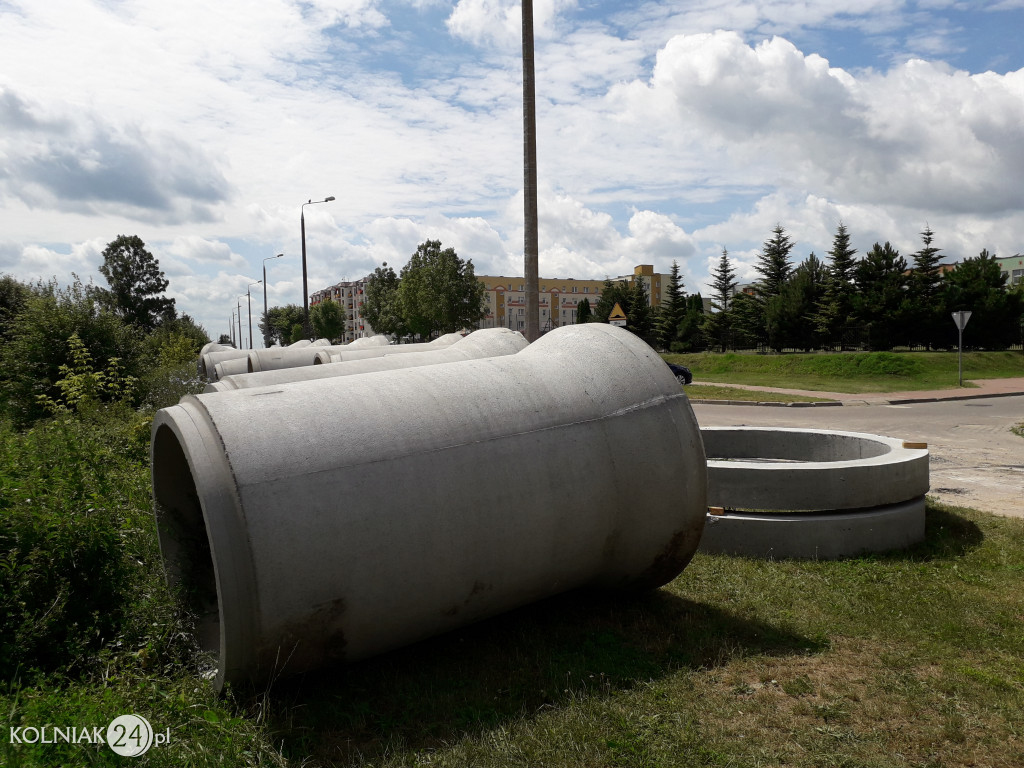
x=241, y=338
x=266, y=319
x=231, y=328
x=305, y=289
x=249, y=297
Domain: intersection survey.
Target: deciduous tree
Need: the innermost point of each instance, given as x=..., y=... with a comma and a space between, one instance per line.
x=328, y=320
x=381, y=307
x=136, y=283
x=438, y=292
x=278, y=322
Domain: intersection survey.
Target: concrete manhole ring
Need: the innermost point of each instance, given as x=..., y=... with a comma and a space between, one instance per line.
x=812, y=493
x=811, y=469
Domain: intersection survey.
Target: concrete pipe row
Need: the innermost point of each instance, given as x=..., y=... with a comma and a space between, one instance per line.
x=277, y=358
x=219, y=360
x=334, y=519
x=487, y=342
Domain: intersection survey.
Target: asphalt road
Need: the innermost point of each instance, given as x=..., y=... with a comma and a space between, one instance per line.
x=975, y=461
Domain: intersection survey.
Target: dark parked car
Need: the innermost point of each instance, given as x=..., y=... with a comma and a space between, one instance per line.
x=682, y=373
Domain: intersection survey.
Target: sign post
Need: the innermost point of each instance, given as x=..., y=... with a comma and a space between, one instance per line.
x=960, y=318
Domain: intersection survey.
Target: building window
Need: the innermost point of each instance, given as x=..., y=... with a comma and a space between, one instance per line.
x=586, y=289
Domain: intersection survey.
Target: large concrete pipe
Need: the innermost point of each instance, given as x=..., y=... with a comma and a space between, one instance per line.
x=214, y=346
x=208, y=362
x=489, y=342
x=345, y=354
x=233, y=367
x=334, y=520
x=377, y=340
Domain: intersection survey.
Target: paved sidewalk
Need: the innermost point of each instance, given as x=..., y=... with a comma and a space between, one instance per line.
x=982, y=388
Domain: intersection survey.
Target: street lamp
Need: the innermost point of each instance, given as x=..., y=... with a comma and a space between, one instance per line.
x=249, y=296
x=241, y=338
x=266, y=319
x=305, y=289
x=231, y=328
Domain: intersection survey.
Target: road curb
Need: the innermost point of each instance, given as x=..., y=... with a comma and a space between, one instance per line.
x=767, y=404
x=856, y=403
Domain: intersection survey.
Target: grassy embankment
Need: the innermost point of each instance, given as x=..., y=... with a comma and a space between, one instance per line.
x=862, y=372
x=908, y=659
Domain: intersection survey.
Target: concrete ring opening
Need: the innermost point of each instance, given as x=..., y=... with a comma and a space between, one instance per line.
x=814, y=470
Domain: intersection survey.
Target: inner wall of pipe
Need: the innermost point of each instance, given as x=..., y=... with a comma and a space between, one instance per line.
x=184, y=540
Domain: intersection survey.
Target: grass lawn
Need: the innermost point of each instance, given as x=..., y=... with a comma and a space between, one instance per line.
x=717, y=392
x=909, y=659
x=854, y=372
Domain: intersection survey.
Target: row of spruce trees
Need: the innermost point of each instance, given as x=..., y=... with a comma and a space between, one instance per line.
x=876, y=302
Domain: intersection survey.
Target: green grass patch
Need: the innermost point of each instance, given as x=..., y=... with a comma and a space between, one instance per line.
x=909, y=658
x=718, y=392
x=853, y=372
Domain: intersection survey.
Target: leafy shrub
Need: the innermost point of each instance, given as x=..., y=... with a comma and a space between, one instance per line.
x=37, y=347
x=164, y=387
x=81, y=388
x=75, y=532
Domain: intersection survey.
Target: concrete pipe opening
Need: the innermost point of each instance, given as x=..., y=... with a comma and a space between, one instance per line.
x=184, y=541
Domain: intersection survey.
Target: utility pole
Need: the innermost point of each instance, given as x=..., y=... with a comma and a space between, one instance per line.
x=530, y=245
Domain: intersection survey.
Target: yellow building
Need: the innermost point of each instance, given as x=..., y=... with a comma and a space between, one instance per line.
x=505, y=297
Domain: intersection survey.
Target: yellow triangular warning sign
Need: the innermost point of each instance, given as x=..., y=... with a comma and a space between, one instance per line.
x=617, y=313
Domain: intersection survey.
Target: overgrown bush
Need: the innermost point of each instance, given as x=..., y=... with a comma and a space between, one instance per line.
x=75, y=530
x=38, y=345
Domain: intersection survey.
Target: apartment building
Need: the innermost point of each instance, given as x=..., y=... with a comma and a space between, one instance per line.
x=1013, y=268
x=505, y=299
x=350, y=295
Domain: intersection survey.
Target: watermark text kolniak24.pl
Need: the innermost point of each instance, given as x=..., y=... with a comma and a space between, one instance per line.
x=129, y=735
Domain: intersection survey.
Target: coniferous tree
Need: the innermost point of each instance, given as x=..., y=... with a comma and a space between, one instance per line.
x=774, y=267
x=773, y=264
x=834, y=309
x=639, y=314
x=880, y=303
x=673, y=309
x=747, y=318
x=790, y=316
x=718, y=323
x=583, y=313
x=691, y=336
x=611, y=294
x=925, y=292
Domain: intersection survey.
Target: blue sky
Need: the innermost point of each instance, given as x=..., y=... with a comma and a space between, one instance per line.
x=667, y=131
